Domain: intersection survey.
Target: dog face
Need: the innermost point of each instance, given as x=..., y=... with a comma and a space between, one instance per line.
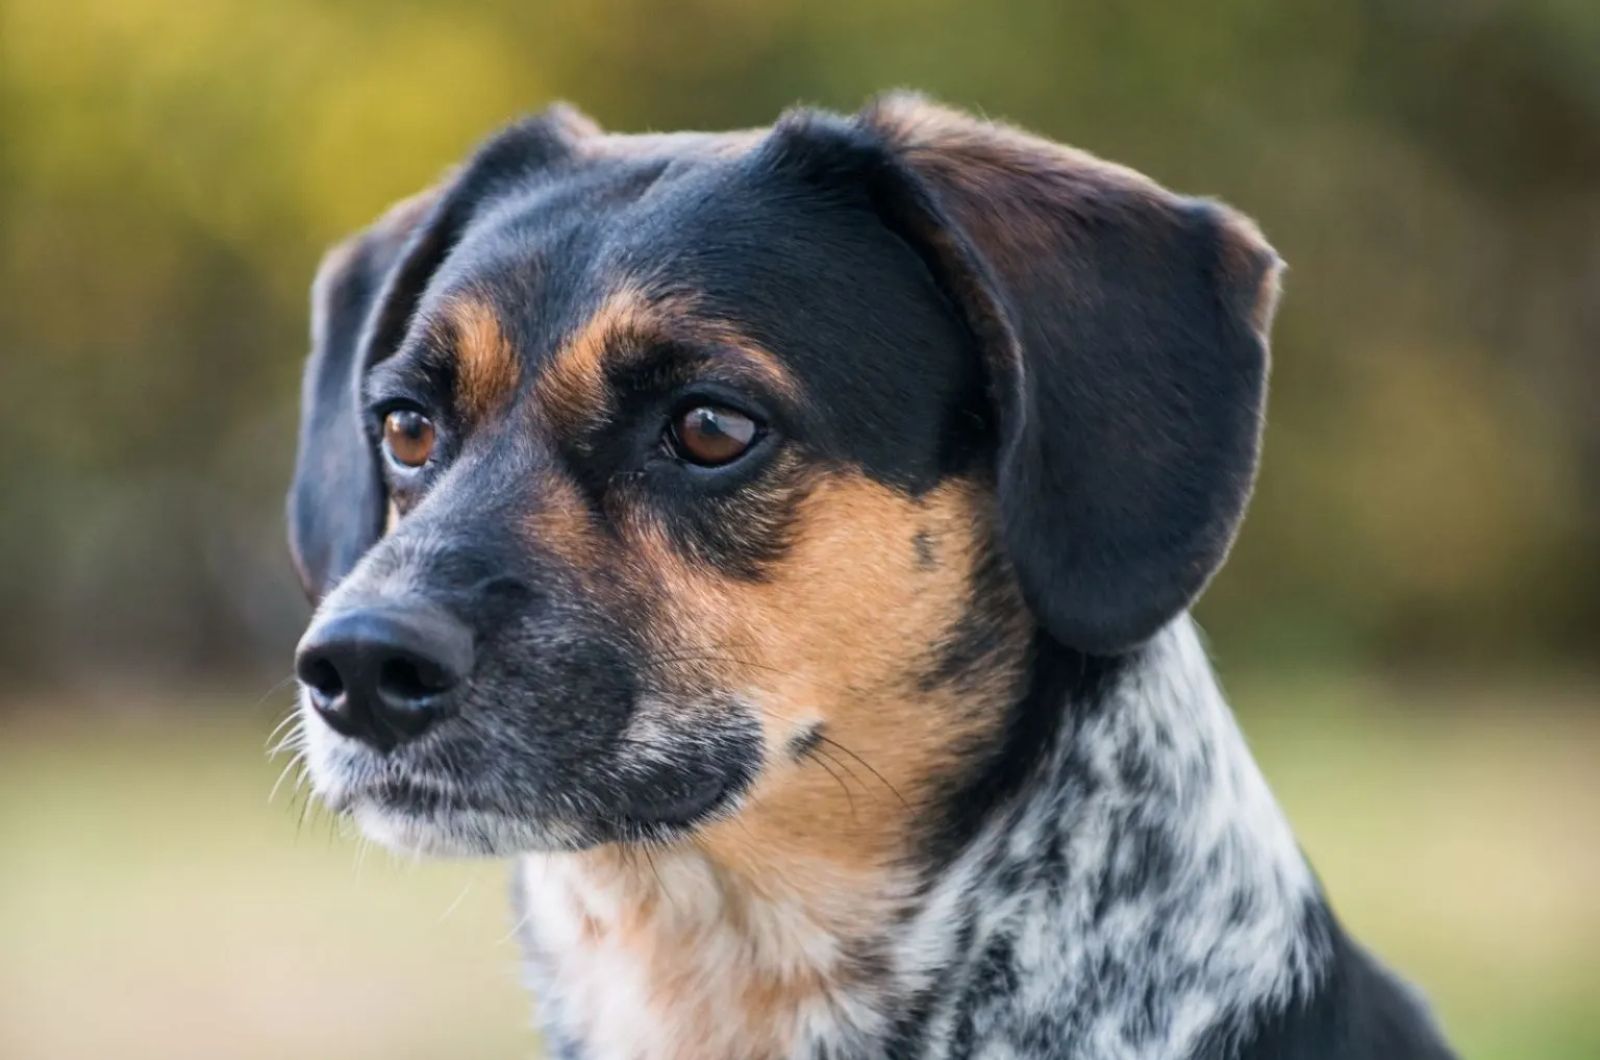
x=707, y=486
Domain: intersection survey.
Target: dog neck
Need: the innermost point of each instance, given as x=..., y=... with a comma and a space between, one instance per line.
x=1136, y=891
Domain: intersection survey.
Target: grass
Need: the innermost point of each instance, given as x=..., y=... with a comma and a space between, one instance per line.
x=154, y=904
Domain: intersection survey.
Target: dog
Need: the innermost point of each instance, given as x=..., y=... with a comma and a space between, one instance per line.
x=780, y=543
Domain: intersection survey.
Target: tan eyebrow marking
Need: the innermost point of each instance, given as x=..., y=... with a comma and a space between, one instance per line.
x=573, y=386
x=486, y=366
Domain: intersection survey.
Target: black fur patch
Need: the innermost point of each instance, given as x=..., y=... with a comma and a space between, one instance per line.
x=1357, y=1010
x=1057, y=676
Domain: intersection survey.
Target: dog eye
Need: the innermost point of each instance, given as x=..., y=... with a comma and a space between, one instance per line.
x=712, y=435
x=408, y=436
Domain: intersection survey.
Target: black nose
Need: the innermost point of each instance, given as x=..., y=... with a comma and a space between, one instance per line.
x=384, y=674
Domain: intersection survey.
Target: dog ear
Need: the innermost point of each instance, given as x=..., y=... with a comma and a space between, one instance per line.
x=362, y=300
x=336, y=499
x=1123, y=330
x=1125, y=334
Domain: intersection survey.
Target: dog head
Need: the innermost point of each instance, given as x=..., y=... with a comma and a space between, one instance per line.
x=657, y=485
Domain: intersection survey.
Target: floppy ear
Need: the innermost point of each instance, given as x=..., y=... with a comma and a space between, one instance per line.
x=1123, y=329
x=362, y=302
x=1125, y=333
x=336, y=500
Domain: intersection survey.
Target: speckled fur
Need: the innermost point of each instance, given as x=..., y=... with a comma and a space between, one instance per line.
x=1140, y=897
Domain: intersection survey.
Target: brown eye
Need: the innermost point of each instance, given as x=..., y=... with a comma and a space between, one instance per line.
x=408, y=435
x=712, y=435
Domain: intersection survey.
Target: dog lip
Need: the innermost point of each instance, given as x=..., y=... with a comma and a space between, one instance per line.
x=417, y=796
x=646, y=813
x=680, y=810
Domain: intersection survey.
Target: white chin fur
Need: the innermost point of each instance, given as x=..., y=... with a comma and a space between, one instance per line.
x=459, y=833
x=408, y=835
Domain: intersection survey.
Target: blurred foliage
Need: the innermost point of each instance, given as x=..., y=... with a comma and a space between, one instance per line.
x=169, y=173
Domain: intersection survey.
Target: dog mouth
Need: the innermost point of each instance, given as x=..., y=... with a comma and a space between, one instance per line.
x=418, y=811
x=424, y=815
x=693, y=804
x=420, y=797
x=489, y=792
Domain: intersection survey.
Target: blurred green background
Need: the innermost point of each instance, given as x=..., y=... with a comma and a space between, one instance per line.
x=1409, y=623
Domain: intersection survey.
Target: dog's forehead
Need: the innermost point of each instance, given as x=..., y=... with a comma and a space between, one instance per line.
x=554, y=251
x=690, y=241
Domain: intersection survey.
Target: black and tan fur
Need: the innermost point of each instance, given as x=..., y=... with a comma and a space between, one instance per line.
x=892, y=737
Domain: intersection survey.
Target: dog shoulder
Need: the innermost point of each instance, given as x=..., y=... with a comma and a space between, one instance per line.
x=1357, y=1009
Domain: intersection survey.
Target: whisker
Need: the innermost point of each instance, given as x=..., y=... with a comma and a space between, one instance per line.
x=298, y=759
x=291, y=718
x=295, y=738
x=823, y=738
x=300, y=822
x=660, y=883
x=451, y=908
x=848, y=798
x=865, y=765
x=819, y=749
x=276, y=687
x=516, y=929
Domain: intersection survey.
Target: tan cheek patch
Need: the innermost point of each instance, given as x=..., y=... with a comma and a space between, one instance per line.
x=836, y=639
x=723, y=945
x=487, y=370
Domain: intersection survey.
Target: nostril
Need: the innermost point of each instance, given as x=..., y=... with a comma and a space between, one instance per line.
x=409, y=679
x=327, y=691
x=318, y=674
x=384, y=674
